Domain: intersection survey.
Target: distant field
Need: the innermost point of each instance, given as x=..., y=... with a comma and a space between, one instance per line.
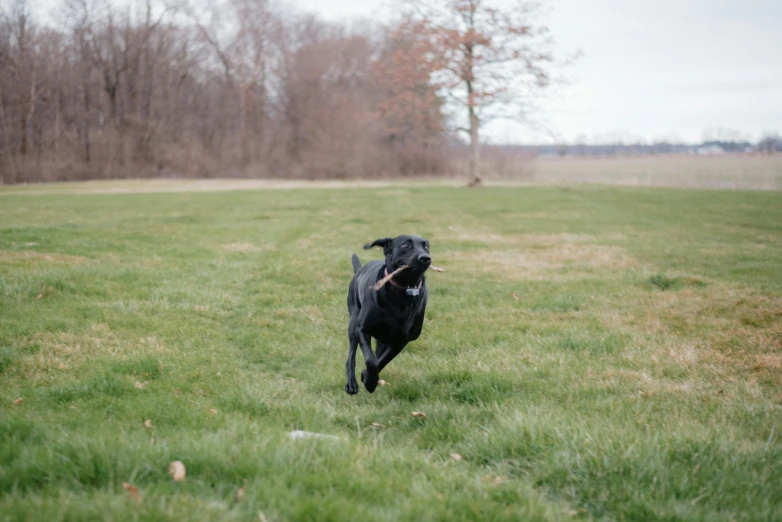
x=591, y=353
x=749, y=172
x=708, y=172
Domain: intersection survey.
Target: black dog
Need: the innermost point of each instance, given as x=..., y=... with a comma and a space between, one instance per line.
x=394, y=314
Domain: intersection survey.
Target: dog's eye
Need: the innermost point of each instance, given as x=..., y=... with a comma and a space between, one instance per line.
x=405, y=246
x=426, y=247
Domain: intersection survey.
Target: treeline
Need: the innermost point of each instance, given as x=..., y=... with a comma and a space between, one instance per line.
x=239, y=88
x=768, y=144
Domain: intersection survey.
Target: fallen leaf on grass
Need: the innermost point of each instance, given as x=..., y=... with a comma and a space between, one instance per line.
x=18, y=401
x=148, y=423
x=419, y=414
x=177, y=470
x=39, y=296
x=456, y=457
x=213, y=411
x=133, y=492
x=572, y=512
x=240, y=494
x=140, y=385
x=381, y=382
x=378, y=425
x=499, y=480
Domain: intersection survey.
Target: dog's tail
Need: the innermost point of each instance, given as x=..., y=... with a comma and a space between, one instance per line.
x=356, y=263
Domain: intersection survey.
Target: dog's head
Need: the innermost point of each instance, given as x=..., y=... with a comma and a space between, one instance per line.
x=412, y=251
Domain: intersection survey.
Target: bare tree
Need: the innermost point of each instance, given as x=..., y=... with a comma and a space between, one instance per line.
x=237, y=87
x=770, y=142
x=493, y=62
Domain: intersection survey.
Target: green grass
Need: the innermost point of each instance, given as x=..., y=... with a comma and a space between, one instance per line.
x=591, y=353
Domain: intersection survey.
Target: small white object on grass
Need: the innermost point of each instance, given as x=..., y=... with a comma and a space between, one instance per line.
x=177, y=470
x=298, y=434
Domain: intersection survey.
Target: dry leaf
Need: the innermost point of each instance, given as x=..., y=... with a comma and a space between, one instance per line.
x=140, y=385
x=219, y=374
x=132, y=491
x=419, y=414
x=381, y=382
x=18, y=401
x=378, y=425
x=262, y=517
x=213, y=411
x=177, y=470
x=39, y=296
x=456, y=457
x=148, y=423
x=572, y=512
x=499, y=480
x=240, y=494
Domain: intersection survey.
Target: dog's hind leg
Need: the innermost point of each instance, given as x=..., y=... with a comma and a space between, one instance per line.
x=370, y=376
x=351, y=386
x=388, y=355
x=381, y=349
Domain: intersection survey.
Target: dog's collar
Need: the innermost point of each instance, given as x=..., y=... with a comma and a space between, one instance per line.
x=412, y=291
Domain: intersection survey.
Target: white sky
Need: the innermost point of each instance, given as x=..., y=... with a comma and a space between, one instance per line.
x=675, y=69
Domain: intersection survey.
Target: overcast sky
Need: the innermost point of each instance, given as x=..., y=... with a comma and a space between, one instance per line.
x=675, y=69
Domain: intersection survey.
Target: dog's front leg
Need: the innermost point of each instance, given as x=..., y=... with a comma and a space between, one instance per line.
x=351, y=386
x=370, y=376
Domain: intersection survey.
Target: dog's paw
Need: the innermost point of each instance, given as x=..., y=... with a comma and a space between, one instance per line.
x=351, y=388
x=370, y=377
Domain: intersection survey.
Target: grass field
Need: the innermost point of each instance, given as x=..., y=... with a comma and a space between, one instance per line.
x=590, y=353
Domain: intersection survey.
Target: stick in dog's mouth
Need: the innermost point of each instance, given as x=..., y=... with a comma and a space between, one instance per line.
x=380, y=284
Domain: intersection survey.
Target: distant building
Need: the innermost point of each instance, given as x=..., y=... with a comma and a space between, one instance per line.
x=709, y=150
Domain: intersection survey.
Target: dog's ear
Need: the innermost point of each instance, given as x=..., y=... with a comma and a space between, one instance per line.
x=384, y=242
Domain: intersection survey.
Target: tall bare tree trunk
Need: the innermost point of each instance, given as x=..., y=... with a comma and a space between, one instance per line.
x=86, y=121
x=474, y=178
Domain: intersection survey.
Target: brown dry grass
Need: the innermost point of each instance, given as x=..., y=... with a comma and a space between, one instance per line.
x=241, y=247
x=63, y=355
x=729, y=171
x=733, y=336
x=29, y=257
x=543, y=257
